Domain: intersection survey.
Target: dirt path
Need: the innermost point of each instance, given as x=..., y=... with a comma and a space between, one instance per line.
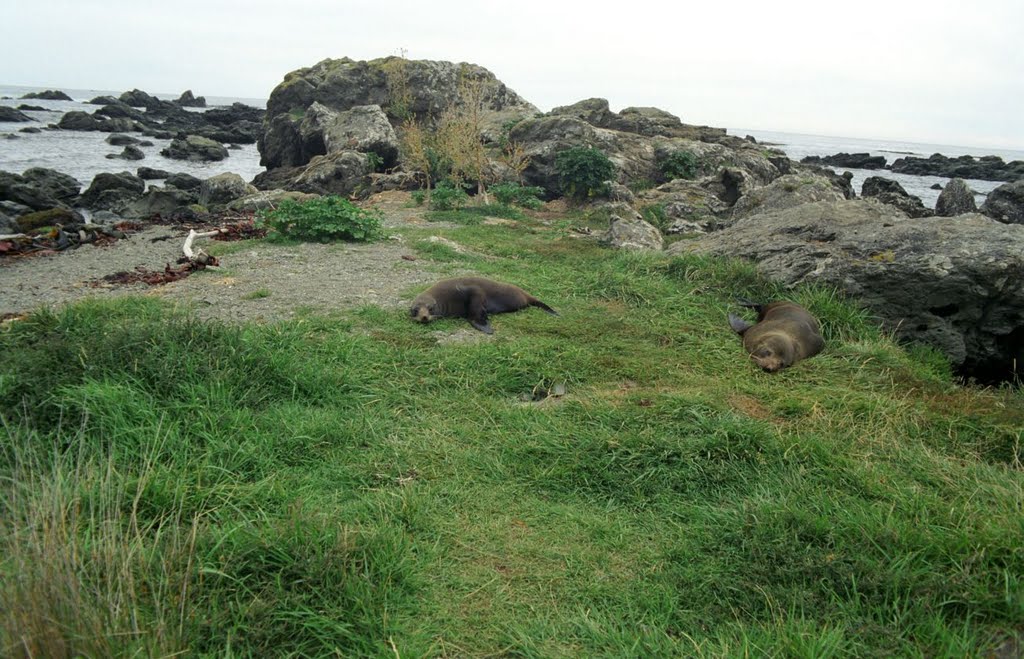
x=257, y=281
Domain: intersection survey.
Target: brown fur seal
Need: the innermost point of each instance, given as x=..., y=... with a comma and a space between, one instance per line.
x=472, y=298
x=784, y=334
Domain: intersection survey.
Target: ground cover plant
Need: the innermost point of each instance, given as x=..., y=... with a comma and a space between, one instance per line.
x=322, y=220
x=348, y=485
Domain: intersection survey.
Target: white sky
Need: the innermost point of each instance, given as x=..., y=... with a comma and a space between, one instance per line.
x=914, y=70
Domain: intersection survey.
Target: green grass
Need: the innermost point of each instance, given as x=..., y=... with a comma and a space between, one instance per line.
x=349, y=486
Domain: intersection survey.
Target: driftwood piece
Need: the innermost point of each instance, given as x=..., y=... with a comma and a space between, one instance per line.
x=198, y=256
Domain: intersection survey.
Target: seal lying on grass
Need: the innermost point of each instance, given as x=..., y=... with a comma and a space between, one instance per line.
x=472, y=298
x=784, y=334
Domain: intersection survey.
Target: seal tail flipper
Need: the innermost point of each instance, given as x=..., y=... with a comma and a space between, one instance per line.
x=738, y=325
x=482, y=325
x=744, y=302
x=534, y=302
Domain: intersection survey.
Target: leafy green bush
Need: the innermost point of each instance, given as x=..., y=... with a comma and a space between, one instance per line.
x=375, y=161
x=512, y=194
x=584, y=171
x=418, y=197
x=680, y=164
x=448, y=197
x=323, y=220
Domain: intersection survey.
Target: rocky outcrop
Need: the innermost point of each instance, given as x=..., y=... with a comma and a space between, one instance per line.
x=117, y=139
x=148, y=173
x=187, y=100
x=955, y=199
x=12, y=115
x=164, y=201
x=891, y=192
x=224, y=188
x=267, y=199
x=130, y=152
x=631, y=232
x=38, y=188
x=184, y=181
x=786, y=192
x=49, y=95
x=364, y=128
x=1006, y=203
x=196, y=149
x=113, y=192
x=103, y=100
x=77, y=120
x=403, y=88
x=851, y=160
x=986, y=168
x=955, y=284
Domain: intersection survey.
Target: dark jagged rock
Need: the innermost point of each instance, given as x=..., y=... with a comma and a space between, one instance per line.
x=104, y=100
x=30, y=129
x=1006, y=203
x=165, y=201
x=955, y=199
x=62, y=187
x=117, y=139
x=184, y=181
x=195, y=148
x=38, y=188
x=953, y=284
x=891, y=192
x=140, y=99
x=121, y=111
x=223, y=189
x=49, y=95
x=31, y=108
x=851, y=160
x=130, y=152
x=986, y=168
x=76, y=120
x=187, y=100
x=149, y=174
x=10, y=114
x=113, y=192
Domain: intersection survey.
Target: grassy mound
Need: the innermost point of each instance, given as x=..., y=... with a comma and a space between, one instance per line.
x=349, y=485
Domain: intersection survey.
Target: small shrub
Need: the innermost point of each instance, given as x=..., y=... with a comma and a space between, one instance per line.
x=375, y=162
x=680, y=164
x=584, y=171
x=418, y=197
x=323, y=220
x=448, y=197
x=655, y=214
x=511, y=194
x=640, y=184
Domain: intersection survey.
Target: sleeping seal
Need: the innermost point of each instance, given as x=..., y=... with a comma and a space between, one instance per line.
x=784, y=334
x=472, y=298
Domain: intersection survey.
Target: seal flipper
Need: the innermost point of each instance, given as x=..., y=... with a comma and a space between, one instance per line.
x=476, y=311
x=534, y=302
x=744, y=302
x=738, y=325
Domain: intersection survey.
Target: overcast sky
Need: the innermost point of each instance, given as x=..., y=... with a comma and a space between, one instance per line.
x=935, y=71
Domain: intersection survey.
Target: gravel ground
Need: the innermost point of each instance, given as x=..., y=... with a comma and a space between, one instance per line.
x=257, y=281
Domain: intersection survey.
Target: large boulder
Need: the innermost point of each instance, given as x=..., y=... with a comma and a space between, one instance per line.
x=953, y=284
x=113, y=192
x=159, y=201
x=224, y=188
x=631, y=232
x=76, y=120
x=338, y=173
x=10, y=114
x=851, y=160
x=62, y=187
x=403, y=88
x=891, y=192
x=1006, y=203
x=49, y=95
x=955, y=199
x=149, y=173
x=184, y=181
x=195, y=148
x=786, y=192
x=987, y=168
x=38, y=188
x=364, y=128
x=130, y=152
x=187, y=100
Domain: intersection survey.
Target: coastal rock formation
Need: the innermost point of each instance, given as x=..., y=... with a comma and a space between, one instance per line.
x=223, y=189
x=165, y=201
x=38, y=188
x=148, y=173
x=633, y=233
x=184, y=181
x=851, y=160
x=891, y=192
x=195, y=148
x=113, y=192
x=402, y=88
x=76, y=120
x=10, y=114
x=130, y=152
x=364, y=128
x=786, y=192
x=955, y=199
x=987, y=168
x=1006, y=203
x=187, y=100
x=49, y=95
x=953, y=284
x=117, y=139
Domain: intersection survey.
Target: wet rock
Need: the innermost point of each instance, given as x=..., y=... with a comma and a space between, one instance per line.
x=113, y=192
x=187, y=100
x=1006, y=203
x=891, y=192
x=49, y=95
x=851, y=160
x=164, y=201
x=987, y=168
x=196, y=149
x=148, y=173
x=223, y=189
x=10, y=114
x=30, y=129
x=184, y=181
x=31, y=108
x=129, y=153
x=117, y=139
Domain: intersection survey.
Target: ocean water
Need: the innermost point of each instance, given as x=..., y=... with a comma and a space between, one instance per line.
x=798, y=146
x=83, y=154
